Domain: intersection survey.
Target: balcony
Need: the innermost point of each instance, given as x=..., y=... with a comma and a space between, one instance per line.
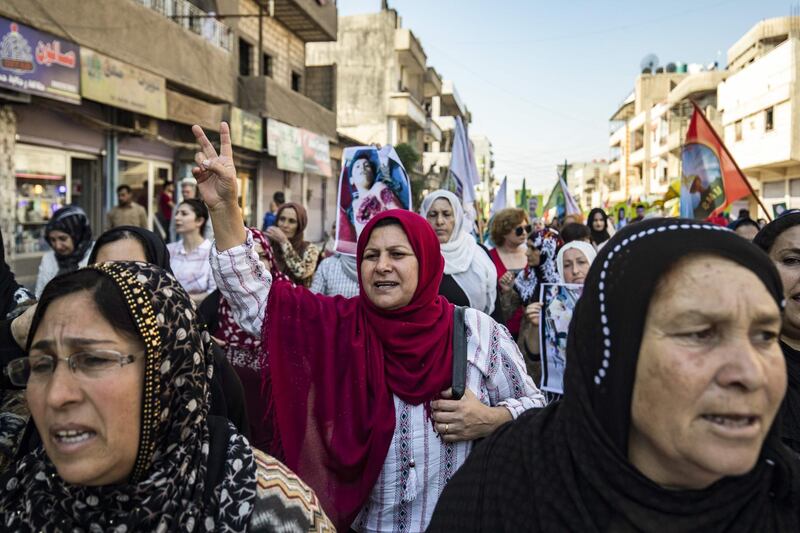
x=452, y=106
x=193, y=19
x=262, y=95
x=141, y=37
x=311, y=20
x=433, y=130
x=637, y=157
x=435, y=161
x=407, y=110
x=409, y=51
x=433, y=83
x=614, y=168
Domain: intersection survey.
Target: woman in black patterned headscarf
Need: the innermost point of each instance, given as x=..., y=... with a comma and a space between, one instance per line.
x=188, y=470
x=69, y=234
x=674, y=377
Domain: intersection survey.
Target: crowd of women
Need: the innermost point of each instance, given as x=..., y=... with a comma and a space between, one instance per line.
x=248, y=384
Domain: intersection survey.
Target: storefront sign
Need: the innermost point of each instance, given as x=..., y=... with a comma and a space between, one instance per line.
x=246, y=129
x=38, y=63
x=283, y=142
x=119, y=84
x=316, y=153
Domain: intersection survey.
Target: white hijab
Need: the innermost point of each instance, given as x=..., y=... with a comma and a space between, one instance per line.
x=586, y=248
x=469, y=264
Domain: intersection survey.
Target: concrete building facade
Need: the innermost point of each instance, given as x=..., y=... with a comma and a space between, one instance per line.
x=173, y=65
x=380, y=70
x=387, y=94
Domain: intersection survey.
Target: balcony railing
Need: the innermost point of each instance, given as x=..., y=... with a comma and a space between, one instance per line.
x=193, y=19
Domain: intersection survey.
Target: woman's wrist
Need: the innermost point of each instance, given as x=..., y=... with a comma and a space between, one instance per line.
x=229, y=229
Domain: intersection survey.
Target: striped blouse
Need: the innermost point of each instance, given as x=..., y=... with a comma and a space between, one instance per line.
x=418, y=464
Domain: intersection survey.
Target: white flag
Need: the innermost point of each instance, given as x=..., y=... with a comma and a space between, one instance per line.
x=462, y=164
x=500, y=197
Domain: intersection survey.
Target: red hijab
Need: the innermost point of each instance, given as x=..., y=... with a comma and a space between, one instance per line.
x=334, y=364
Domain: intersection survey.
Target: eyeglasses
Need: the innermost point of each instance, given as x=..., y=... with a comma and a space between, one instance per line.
x=519, y=230
x=38, y=369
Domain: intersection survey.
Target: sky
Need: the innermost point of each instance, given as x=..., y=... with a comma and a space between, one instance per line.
x=541, y=79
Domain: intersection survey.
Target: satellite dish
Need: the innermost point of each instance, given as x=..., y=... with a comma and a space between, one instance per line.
x=649, y=63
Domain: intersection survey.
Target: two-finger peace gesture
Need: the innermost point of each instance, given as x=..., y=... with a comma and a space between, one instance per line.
x=216, y=174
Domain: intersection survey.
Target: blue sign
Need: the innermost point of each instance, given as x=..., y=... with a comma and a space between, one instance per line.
x=39, y=63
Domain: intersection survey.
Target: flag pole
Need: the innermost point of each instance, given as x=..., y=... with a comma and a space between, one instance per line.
x=735, y=164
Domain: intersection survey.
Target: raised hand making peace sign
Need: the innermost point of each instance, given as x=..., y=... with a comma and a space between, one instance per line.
x=216, y=180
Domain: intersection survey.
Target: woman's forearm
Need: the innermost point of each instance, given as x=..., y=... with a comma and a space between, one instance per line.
x=229, y=230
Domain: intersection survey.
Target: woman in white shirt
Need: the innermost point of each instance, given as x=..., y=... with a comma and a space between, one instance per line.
x=69, y=235
x=189, y=256
x=360, y=388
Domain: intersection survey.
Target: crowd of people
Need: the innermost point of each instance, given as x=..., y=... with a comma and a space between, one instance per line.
x=237, y=380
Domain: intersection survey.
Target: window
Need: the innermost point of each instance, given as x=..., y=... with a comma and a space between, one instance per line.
x=769, y=115
x=737, y=126
x=774, y=189
x=794, y=188
x=297, y=82
x=266, y=65
x=245, y=58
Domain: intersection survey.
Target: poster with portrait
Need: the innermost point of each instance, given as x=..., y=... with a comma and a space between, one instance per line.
x=702, y=189
x=372, y=181
x=558, y=302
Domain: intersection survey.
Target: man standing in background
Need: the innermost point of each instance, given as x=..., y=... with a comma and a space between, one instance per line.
x=127, y=212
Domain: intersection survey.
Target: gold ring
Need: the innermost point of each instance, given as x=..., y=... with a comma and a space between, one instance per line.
x=446, y=428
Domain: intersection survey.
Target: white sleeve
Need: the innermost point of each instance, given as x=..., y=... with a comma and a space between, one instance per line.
x=318, y=284
x=495, y=354
x=48, y=269
x=244, y=282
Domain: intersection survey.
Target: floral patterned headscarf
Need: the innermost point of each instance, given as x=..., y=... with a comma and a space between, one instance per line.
x=547, y=241
x=191, y=472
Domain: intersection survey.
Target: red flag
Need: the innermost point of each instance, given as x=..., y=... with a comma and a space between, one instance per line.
x=711, y=180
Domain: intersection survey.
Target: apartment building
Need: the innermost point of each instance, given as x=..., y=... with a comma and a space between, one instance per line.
x=648, y=128
x=98, y=94
x=386, y=93
x=760, y=115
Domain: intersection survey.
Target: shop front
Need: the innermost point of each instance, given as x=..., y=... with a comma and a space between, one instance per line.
x=247, y=132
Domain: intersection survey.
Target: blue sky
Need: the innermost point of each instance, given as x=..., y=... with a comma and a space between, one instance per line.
x=542, y=78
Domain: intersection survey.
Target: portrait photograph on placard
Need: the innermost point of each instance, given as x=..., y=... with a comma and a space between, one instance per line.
x=558, y=302
x=372, y=181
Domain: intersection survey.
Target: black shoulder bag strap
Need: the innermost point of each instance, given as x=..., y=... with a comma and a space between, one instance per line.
x=459, y=353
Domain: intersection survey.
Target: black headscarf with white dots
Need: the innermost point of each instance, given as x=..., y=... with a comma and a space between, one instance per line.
x=566, y=468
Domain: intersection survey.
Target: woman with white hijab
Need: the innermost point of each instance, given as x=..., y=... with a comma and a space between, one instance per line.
x=470, y=278
x=573, y=261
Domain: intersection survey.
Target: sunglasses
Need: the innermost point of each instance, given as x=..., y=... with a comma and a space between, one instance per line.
x=523, y=229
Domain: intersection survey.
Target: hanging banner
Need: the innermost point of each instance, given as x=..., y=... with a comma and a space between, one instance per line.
x=118, y=84
x=246, y=129
x=372, y=181
x=316, y=153
x=283, y=142
x=39, y=63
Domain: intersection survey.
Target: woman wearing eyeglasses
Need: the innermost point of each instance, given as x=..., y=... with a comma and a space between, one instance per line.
x=117, y=380
x=510, y=230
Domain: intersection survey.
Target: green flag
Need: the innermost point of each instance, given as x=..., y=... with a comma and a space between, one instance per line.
x=522, y=200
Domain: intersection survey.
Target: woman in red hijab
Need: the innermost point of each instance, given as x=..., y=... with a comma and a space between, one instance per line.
x=360, y=388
